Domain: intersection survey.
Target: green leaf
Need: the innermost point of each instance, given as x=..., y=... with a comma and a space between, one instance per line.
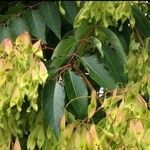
x=53, y=104
x=109, y=37
x=97, y=43
x=4, y=32
x=4, y=18
x=114, y=64
x=36, y=24
x=71, y=10
x=61, y=55
x=65, y=47
x=15, y=9
x=51, y=16
x=98, y=72
x=81, y=31
x=18, y=25
x=141, y=21
x=77, y=93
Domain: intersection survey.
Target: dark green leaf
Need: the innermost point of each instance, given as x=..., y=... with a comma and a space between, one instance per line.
x=77, y=93
x=114, y=64
x=98, y=72
x=36, y=24
x=18, y=25
x=51, y=16
x=110, y=38
x=60, y=55
x=17, y=8
x=4, y=33
x=64, y=47
x=53, y=104
x=4, y=18
x=142, y=22
x=71, y=11
x=81, y=31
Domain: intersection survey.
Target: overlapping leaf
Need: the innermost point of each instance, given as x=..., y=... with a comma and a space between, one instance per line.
x=77, y=92
x=142, y=22
x=98, y=72
x=51, y=17
x=110, y=38
x=18, y=25
x=36, y=24
x=53, y=104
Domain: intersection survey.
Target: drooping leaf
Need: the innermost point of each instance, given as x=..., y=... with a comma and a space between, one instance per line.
x=51, y=16
x=53, y=103
x=108, y=37
x=4, y=32
x=18, y=25
x=71, y=10
x=77, y=92
x=98, y=72
x=114, y=64
x=142, y=22
x=36, y=24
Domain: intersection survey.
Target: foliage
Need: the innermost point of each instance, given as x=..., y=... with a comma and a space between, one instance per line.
x=51, y=101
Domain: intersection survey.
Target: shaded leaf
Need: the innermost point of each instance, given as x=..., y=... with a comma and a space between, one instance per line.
x=36, y=24
x=53, y=103
x=4, y=18
x=77, y=92
x=71, y=11
x=142, y=22
x=18, y=25
x=51, y=16
x=4, y=33
x=15, y=9
x=110, y=38
x=98, y=72
x=114, y=64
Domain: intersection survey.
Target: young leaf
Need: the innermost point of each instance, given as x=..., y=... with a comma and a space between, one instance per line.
x=77, y=93
x=18, y=25
x=36, y=24
x=53, y=103
x=142, y=22
x=98, y=72
x=92, y=106
x=51, y=16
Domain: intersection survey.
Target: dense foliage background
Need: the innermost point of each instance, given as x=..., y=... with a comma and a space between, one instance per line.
x=75, y=75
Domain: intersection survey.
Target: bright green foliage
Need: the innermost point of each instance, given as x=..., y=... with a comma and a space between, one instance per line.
x=105, y=13
x=21, y=71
